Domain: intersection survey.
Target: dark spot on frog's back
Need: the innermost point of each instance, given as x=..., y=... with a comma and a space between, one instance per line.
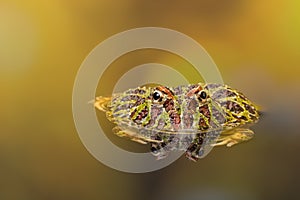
x=202, y=124
x=123, y=107
x=223, y=93
x=234, y=107
x=169, y=105
x=141, y=115
x=138, y=100
x=242, y=96
x=242, y=117
x=136, y=91
x=253, y=117
x=204, y=110
x=249, y=108
x=211, y=86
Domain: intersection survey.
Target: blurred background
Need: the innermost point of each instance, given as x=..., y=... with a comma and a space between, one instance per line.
x=255, y=44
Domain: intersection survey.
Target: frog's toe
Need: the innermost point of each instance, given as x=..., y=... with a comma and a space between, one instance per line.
x=237, y=136
x=231, y=143
x=101, y=103
x=138, y=140
x=191, y=157
x=221, y=142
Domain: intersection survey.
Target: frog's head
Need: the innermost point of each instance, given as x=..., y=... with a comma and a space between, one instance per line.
x=144, y=105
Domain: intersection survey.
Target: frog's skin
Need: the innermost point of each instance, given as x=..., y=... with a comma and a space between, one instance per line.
x=192, y=117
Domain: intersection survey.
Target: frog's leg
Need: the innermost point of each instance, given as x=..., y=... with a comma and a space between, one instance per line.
x=132, y=136
x=101, y=103
x=193, y=151
x=234, y=136
x=201, y=145
x=127, y=134
x=119, y=132
x=164, y=144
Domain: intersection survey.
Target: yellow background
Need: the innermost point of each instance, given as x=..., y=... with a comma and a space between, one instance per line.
x=255, y=44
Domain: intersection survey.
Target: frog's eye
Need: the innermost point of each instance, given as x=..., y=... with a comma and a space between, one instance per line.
x=157, y=96
x=202, y=95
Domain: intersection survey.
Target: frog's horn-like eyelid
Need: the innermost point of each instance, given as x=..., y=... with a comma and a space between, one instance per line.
x=166, y=90
x=170, y=91
x=194, y=91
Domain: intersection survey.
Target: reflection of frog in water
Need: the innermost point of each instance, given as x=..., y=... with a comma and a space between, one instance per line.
x=193, y=118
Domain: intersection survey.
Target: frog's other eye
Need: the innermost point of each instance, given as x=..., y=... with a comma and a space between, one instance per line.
x=157, y=96
x=202, y=95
